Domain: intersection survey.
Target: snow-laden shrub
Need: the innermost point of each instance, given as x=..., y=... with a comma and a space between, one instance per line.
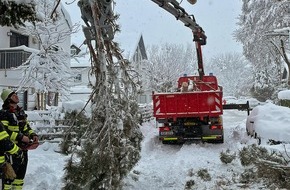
x=262, y=165
x=248, y=176
x=227, y=157
x=189, y=184
x=78, y=123
x=203, y=174
x=250, y=154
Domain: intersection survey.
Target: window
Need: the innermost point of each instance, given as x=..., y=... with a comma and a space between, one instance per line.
x=17, y=39
x=73, y=51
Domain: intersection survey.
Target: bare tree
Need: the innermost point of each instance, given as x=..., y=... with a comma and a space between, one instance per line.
x=48, y=70
x=234, y=73
x=166, y=63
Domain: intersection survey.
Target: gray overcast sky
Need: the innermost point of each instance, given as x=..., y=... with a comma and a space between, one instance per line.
x=217, y=17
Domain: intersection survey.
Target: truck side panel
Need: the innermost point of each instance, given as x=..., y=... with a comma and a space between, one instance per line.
x=187, y=104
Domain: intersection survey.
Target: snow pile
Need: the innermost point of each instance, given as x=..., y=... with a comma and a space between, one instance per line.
x=70, y=106
x=45, y=168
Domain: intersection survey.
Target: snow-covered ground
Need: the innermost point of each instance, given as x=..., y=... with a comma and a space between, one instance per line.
x=169, y=166
x=162, y=167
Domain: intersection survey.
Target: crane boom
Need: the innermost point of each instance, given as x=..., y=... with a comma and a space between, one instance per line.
x=173, y=7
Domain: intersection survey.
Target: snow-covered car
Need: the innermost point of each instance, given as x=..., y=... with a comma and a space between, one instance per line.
x=253, y=102
x=230, y=100
x=266, y=123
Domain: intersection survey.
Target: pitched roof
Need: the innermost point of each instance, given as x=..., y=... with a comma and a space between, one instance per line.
x=140, y=51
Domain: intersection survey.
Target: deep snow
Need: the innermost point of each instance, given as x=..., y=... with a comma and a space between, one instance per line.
x=162, y=167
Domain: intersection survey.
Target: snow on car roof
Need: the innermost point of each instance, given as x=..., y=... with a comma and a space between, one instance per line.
x=269, y=121
x=284, y=95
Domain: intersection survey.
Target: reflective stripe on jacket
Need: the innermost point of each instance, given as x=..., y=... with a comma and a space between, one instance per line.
x=14, y=127
x=6, y=145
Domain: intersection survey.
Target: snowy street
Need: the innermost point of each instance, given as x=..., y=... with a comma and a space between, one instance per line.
x=168, y=166
x=161, y=166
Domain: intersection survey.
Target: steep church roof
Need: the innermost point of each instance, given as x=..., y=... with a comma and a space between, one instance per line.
x=140, y=51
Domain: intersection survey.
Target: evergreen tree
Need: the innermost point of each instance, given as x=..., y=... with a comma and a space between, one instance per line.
x=111, y=143
x=15, y=14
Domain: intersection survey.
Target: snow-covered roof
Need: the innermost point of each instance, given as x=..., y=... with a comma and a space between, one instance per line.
x=23, y=47
x=81, y=61
x=69, y=106
x=80, y=90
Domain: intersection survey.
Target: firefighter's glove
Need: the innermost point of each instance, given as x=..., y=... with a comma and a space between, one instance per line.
x=35, y=139
x=22, y=116
x=9, y=171
x=25, y=139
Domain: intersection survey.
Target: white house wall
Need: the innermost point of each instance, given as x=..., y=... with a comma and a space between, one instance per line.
x=11, y=78
x=5, y=41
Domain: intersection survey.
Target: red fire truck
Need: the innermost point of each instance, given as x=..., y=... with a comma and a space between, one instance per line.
x=191, y=115
x=195, y=112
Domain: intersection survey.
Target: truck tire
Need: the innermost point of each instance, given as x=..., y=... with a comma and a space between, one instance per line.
x=220, y=141
x=165, y=142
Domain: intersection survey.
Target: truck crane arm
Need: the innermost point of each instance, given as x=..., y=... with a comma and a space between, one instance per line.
x=199, y=37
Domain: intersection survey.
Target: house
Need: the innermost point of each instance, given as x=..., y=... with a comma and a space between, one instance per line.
x=81, y=67
x=15, y=48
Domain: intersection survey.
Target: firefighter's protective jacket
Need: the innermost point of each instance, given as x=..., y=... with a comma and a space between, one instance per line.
x=6, y=145
x=16, y=124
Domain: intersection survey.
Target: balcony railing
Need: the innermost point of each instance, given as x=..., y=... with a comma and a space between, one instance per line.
x=12, y=58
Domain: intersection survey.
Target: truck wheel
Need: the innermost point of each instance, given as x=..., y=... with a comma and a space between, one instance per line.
x=221, y=141
x=165, y=142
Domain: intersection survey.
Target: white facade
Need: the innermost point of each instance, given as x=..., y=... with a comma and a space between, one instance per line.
x=81, y=67
x=11, y=75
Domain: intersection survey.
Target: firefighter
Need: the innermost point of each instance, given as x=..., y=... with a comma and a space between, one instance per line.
x=15, y=121
x=9, y=148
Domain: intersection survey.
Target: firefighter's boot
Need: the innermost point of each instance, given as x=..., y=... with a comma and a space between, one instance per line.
x=17, y=184
x=7, y=187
